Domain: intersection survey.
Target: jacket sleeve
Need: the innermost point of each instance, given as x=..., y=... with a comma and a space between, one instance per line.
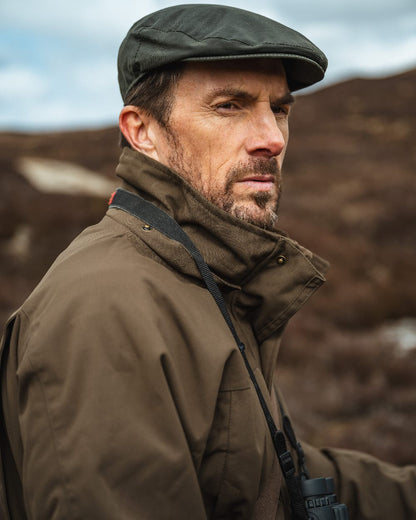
x=372, y=489
x=101, y=434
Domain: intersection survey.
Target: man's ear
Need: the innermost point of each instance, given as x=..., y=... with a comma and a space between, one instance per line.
x=137, y=127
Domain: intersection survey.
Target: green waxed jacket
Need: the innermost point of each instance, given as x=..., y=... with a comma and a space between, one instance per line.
x=123, y=394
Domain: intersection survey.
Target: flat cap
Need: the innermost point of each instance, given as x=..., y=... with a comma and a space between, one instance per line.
x=202, y=32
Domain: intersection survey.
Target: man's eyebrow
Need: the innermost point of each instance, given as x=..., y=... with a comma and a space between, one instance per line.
x=232, y=93
x=286, y=99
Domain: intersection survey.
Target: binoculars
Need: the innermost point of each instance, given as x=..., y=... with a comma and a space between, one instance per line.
x=321, y=501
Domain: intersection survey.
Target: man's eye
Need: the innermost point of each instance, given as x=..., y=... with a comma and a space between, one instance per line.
x=280, y=109
x=229, y=105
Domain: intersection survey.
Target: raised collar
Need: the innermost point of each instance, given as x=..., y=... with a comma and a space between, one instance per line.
x=273, y=274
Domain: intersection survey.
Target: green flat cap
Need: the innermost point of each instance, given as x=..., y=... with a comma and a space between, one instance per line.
x=202, y=32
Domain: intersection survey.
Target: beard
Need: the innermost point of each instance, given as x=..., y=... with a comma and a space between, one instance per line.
x=259, y=208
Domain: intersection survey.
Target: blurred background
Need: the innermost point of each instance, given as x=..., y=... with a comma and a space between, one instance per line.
x=348, y=362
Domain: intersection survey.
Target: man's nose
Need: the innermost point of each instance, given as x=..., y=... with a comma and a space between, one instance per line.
x=267, y=138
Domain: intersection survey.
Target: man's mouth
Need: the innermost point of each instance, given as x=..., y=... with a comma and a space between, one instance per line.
x=258, y=182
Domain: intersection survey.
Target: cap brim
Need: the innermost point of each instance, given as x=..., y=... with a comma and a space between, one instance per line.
x=301, y=71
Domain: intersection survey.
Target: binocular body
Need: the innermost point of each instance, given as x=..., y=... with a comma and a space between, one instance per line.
x=321, y=501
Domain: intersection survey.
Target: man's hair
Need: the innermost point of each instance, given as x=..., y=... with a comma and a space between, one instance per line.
x=155, y=95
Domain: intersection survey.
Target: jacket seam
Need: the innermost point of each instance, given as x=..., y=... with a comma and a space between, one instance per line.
x=227, y=451
x=63, y=479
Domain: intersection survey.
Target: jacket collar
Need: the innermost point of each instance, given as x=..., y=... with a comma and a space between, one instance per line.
x=273, y=273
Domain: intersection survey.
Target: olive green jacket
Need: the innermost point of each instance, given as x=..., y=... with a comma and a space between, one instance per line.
x=124, y=396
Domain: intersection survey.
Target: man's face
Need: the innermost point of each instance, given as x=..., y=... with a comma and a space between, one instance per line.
x=227, y=135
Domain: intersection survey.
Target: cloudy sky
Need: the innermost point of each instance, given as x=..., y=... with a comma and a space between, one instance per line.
x=58, y=58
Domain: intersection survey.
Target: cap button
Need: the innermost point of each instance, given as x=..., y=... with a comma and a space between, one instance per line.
x=146, y=227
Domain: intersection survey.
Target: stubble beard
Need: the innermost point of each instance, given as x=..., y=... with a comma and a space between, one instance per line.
x=260, y=208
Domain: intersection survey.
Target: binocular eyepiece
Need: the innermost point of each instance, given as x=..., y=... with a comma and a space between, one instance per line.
x=321, y=501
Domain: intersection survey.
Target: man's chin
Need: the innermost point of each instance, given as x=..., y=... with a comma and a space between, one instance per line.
x=265, y=218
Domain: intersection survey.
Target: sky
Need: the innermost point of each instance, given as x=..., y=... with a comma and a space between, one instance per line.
x=58, y=58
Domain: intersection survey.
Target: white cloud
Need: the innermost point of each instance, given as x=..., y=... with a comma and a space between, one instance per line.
x=99, y=21
x=18, y=82
x=371, y=58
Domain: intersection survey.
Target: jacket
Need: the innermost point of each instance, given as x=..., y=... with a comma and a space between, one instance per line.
x=124, y=396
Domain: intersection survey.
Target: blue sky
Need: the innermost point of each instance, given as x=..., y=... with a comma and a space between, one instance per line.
x=58, y=58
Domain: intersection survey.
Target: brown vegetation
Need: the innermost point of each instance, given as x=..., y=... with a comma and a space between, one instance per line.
x=349, y=196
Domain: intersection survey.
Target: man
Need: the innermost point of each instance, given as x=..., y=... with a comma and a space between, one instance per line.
x=124, y=393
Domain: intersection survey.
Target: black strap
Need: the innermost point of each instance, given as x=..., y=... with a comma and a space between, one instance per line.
x=290, y=434
x=158, y=219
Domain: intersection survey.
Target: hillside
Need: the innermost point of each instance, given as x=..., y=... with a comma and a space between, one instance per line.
x=349, y=196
